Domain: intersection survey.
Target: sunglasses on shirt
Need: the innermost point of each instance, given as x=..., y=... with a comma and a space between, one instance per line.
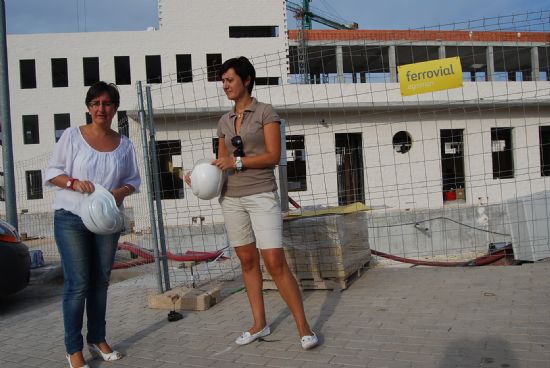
x=237, y=142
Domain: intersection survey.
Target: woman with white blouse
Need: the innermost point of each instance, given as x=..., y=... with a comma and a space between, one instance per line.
x=84, y=155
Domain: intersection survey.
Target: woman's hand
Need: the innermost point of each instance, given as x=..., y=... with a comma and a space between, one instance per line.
x=225, y=163
x=187, y=178
x=83, y=186
x=119, y=195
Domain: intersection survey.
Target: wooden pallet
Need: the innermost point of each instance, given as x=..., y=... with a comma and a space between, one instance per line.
x=325, y=252
x=323, y=283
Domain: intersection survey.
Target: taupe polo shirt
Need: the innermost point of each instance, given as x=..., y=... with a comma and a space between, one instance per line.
x=249, y=181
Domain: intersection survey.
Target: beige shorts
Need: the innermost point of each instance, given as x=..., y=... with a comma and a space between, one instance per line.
x=255, y=218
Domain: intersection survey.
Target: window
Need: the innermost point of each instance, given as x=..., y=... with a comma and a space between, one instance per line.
x=183, y=67
x=88, y=118
x=296, y=163
x=267, y=81
x=501, y=147
x=91, y=70
x=123, y=127
x=122, y=70
x=60, y=75
x=171, y=173
x=402, y=142
x=27, y=73
x=253, y=31
x=30, y=129
x=213, y=65
x=34, y=184
x=61, y=122
x=153, y=69
x=452, y=163
x=349, y=168
x=544, y=137
x=215, y=145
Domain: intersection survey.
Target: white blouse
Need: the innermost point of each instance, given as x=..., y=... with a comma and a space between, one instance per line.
x=73, y=156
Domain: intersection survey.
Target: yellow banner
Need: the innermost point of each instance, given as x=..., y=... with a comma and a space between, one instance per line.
x=430, y=76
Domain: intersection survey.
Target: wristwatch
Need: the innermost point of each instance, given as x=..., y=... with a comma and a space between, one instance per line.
x=238, y=164
x=70, y=183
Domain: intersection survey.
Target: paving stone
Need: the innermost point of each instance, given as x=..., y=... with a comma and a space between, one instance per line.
x=284, y=363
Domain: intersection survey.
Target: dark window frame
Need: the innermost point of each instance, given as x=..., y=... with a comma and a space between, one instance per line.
x=215, y=145
x=60, y=72
x=61, y=122
x=296, y=169
x=90, y=69
x=402, y=141
x=213, y=67
x=123, y=70
x=544, y=144
x=503, y=157
x=267, y=81
x=184, y=68
x=253, y=31
x=153, y=69
x=27, y=73
x=33, y=179
x=171, y=178
x=31, y=129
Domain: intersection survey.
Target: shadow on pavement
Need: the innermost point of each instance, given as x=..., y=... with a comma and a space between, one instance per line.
x=123, y=345
x=488, y=352
x=332, y=299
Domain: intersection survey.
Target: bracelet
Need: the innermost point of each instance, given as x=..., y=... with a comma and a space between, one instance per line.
x=70, y=183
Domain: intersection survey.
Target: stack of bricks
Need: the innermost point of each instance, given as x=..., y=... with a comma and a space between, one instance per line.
x=324, y=252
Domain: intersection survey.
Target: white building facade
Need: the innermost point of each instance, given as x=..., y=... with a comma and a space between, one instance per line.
x=351, y=136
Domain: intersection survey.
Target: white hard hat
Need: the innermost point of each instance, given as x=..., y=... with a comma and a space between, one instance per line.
x=206, y=179
x=100, y=213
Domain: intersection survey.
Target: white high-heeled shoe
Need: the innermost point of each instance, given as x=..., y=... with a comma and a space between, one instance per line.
x=71, y=364
x=108, y=357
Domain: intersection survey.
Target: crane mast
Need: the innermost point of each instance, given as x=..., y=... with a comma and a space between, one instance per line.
x=305, y=17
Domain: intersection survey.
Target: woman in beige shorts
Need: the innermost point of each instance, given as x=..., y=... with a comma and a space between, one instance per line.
x=249, y=148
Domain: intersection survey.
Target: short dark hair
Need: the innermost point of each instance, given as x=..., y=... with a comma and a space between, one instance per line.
x=243, y=68
x=98, y=88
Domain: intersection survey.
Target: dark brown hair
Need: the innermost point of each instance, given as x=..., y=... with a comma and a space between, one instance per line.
x=243, y=68
x=98, y=88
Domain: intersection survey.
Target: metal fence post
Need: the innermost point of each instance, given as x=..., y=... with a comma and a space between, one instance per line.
x=283, y=180
x=156, y=185
x=148, y=176
x=7, y=148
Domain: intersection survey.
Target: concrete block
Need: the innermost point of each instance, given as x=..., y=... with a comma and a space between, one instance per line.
x=183, y=298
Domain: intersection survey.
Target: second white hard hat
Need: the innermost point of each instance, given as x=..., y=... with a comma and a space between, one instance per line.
x=100, y=213
x=206, y=179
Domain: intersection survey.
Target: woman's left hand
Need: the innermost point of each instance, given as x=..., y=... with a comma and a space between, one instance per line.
x=225, y=163
x=120, y=194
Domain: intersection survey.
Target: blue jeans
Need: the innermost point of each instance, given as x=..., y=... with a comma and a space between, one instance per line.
x=87, y=259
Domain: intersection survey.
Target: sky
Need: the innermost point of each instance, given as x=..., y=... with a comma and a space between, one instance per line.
x=53, y=16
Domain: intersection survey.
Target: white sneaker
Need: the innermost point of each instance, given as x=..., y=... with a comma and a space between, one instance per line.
x=309, y=341
x=247, y=337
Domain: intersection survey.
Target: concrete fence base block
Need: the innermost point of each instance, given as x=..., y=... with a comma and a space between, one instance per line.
x=183, y=298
